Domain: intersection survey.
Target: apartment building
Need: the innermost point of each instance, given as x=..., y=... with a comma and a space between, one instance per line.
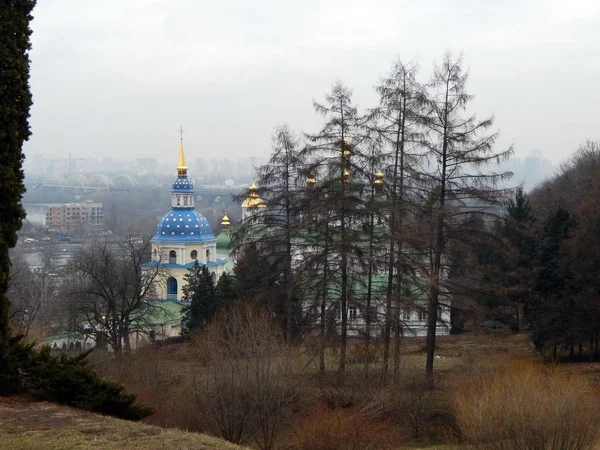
x=83, y=219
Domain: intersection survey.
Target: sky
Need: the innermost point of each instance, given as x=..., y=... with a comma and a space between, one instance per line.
x=117, y=78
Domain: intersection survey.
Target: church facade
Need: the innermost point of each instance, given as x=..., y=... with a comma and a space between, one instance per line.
x=183, y=236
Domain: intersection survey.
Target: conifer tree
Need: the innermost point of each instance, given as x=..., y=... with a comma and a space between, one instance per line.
x=15, y=101
x=254, y=279
x=550, y=309
x=225, y=291
x=200, y=292
x=459, y=150
x=401, y=101
x=274, y=227
x=334, y=152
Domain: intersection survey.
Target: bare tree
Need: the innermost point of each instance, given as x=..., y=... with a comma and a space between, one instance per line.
x=459, y=149
x=242, y=376
x=31, y=295
x=334, y=152
x=108, y=291
x=401, y=102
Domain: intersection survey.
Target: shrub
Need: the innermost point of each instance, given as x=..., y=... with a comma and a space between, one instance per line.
x=242, y=376
x=335, y=429
x=526, y=408
x=70, y=381
x=11, y=362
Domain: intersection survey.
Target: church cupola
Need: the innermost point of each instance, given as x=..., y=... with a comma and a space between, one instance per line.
x=378, y=182
x=252, y=203
x=182, y=191
x=225, y=223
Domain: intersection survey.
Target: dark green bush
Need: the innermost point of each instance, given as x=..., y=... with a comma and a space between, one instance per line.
x=66, y=379
x=71, y=381
x=13, y=358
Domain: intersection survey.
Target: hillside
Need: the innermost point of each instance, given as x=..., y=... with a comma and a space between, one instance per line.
x=35, y=425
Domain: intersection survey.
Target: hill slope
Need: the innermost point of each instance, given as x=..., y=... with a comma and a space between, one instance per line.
x=34, y=425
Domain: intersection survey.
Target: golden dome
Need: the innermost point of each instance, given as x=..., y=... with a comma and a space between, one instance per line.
x=378, y=177
x=225, y=220
x=346, y=176
x=346, y=153
x=253, y=200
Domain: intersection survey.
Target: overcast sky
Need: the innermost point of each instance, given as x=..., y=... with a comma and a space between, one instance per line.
x=118, y=77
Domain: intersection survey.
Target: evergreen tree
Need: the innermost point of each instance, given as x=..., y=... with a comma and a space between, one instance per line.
x=200, y=292
x=15, y=101
x=517, y=231
x=274, y=227
x=550, y=311
x=226, y=291
x=254, y=279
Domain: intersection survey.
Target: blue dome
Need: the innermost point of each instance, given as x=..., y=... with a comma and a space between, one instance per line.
x=182, y=184
x=183, y=225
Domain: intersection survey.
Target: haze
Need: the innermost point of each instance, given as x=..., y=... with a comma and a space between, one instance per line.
x=117, y=78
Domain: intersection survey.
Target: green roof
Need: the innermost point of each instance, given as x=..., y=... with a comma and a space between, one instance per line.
x=224, y=240
x=164, y=311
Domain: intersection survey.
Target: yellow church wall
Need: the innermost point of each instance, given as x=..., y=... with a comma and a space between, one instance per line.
x=161, y=252
x=179, y=273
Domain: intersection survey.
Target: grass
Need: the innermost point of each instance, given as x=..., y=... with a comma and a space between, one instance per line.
x=35, y=425
x=528, y=407
x=161, y=376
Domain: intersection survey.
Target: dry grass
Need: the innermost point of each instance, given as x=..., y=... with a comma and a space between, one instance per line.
x=341, y=429
x=527, y=407
x=163, y=377
x=38, y=425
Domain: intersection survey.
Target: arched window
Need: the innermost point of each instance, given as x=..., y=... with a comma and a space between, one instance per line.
x=155, y=253
x=208, y=255
x=194, y=254
x=213, y=277
x=172, y=288
x=172, y=257
x=185, y=200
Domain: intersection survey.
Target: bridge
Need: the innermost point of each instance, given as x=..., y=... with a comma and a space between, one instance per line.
x=90, y=182
x=98, y=182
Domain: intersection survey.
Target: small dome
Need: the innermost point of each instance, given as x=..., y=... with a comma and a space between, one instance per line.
x=183, y=225
x=182, y=184
x=224, y=241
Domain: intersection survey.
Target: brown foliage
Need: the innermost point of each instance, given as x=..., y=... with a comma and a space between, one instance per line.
x=336, y=429
x=243, y=376
x=526, y=407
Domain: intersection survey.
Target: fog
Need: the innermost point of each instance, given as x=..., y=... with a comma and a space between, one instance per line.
x=117, y=78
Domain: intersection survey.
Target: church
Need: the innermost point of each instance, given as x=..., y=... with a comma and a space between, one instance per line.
x=182, y=237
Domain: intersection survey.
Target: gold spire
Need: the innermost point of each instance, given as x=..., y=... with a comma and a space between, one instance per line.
x=225, y=223
x=181, y=167
x=311, y=179
x=378, y=177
